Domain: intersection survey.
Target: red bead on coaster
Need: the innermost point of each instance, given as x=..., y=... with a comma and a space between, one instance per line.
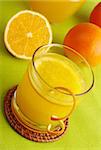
x=34, y=135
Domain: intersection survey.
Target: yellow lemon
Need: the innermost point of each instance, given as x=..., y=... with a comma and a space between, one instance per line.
x=25, y=32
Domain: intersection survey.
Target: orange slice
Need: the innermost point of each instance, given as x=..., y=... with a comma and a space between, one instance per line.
x=25, y=32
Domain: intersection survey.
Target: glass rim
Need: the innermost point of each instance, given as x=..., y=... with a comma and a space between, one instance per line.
x=72, y=50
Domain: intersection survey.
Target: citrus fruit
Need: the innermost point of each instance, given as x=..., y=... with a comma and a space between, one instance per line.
x=25, y=32
x=56, y=10
x=95, y=16
x=85, y=38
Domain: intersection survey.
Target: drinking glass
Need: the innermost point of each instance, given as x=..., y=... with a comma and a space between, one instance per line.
x=56, y=10
x=56, y=78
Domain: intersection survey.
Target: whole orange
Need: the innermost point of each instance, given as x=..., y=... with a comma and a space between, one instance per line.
x=85, y=38
x=95, y=16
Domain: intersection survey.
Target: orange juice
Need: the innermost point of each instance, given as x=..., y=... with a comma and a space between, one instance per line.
x=56, y=10
x=37, y=97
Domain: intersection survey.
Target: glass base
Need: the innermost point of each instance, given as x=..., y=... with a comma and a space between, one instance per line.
x=26, y=131
x=25, y=121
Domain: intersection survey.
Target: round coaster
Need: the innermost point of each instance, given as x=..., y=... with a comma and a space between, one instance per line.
x=22, y=130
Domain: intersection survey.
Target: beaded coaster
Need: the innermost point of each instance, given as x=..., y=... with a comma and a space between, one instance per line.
x=22, y=130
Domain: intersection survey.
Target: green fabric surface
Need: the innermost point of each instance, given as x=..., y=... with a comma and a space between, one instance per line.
x=84, y=131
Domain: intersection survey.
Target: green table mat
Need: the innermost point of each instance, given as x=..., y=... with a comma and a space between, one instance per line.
x=85, y=124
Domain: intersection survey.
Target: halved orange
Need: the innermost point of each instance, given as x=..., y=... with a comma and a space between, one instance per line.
x=25, y=32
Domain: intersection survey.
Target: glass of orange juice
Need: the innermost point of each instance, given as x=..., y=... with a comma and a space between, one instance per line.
x=56, y=10
x=51, y=87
